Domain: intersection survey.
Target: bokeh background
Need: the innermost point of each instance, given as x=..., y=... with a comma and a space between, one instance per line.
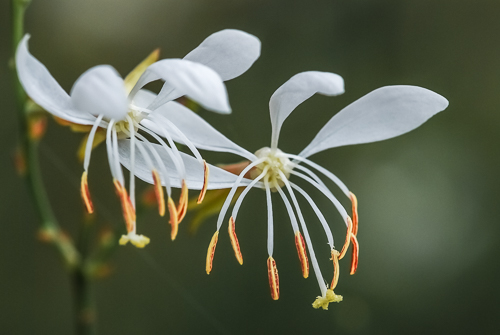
x=429, y=229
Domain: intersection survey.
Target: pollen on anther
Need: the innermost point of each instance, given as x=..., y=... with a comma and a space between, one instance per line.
x=274, y=283
x=127, y=207
x=355, y=254
x=347, y=238
x=203, y=191
x=84, y=189
x=234, y=241
x=174, y=222
x=159, y=193
x=354, y=202
x=336, y=268
x=301, y=251
x=211, y=252
x=183, y=201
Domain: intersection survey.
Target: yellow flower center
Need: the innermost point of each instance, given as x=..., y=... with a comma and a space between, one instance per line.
x=276, y=164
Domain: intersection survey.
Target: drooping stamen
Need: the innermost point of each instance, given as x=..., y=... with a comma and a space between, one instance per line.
x=238, y=203
x=236, y=184
x=354, y=202
x=211, y=252
x=116, y=157
x=324, y=171
x=174, y=222
x=336, y=269
x=183, y=202
x=347, y=238
x=274, y=282
x=131, y=184
x=109, y=150
x=159, y=192
x=84, y=190
x=90, y=141
x=320, y=215
x=127, y=208
x=234, y=241
x=301, y=251
x=205, y=182
x=355, y=254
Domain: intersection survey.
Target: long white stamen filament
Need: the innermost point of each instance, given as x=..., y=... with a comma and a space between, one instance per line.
x=327, y=193
x=289, y=209
x=175, y=157
x=311, y=174
x=270, y=230
x=109, y=148
x=312, y=255
x=324, y=171
x=90, y=141
x=236, y=184
x=116, y=158
x=163, y=168
x=184, y=139
x=245, y=191
x=320, y=216
x=131, y=185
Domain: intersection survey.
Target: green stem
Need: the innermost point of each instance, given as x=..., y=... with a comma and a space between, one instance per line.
x=84, y=303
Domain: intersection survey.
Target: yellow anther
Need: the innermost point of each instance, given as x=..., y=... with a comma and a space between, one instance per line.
x=355, y=218
x=206, y=172
x=234, y=241
x=183, y=201
x=336, y=269
x=127, y=207
x=211, y=252
x=355, y=254
x=274, y=281
x=324, y=301
x=347, y=238
x=84, y=190
x=159, y=192
x=301, y=251
x=174, y=222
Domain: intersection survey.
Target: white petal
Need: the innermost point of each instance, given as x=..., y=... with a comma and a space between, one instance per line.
x=44, y=89
x=381, y=114
x=183, y=77
x=101, y=90
x=197, y=130
x=229, y=52
x=298, y=89
x=217, y=179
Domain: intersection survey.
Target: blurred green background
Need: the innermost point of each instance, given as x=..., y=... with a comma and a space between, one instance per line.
x=429, y=213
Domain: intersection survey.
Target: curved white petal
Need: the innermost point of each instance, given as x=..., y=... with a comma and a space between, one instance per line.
x=44, y=89
x=197, y=130
x=229, y=52
x=101, y=91
x=381, y=114
x=183, y=77
x=218, y=178
x=298, y=89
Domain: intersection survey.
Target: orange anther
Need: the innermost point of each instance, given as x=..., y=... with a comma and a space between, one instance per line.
x=274, y=282
x=301, y=251
x=354, y=202
x=159, y=192
x=347, y=238
x=84, y=190
x=234, y=241
x=336, y=268
x=205, y=182
x=183, y=201
x=127, y=208
x=174, y=222
x=211, y=252
x=355, y=254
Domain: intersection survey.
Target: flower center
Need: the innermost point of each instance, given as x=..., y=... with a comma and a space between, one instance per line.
x=276, y=162
x=123, y=127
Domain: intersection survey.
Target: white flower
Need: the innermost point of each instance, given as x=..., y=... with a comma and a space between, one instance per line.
x=384, y=113
x=100, y=98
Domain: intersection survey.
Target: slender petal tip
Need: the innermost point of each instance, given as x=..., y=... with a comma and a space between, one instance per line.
x=324, y=301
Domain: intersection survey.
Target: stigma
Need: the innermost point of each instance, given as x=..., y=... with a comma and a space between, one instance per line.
x=275, y=161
